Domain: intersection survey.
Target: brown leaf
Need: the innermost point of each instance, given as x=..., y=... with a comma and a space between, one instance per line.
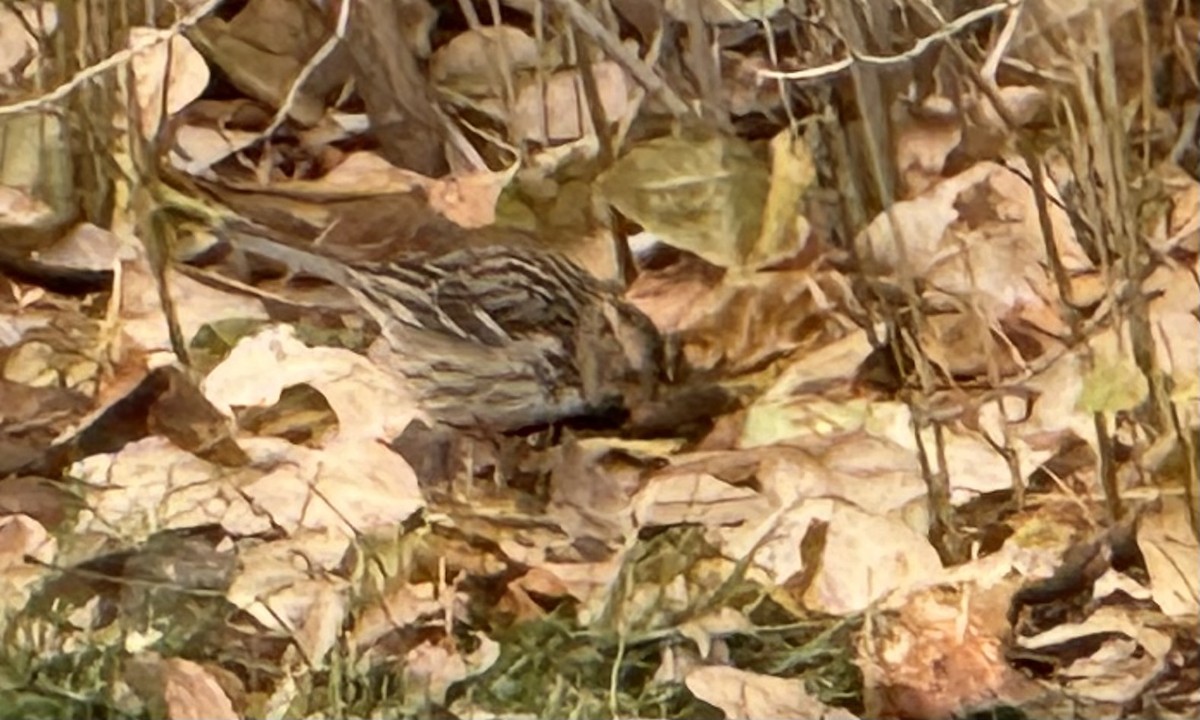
x=743, y=322
x=41, y=499
x=191, y=692
x=184, y=415
x=940, y=655
x=644, y=15
x=264, y=47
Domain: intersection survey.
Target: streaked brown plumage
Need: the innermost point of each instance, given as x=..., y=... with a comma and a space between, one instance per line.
x=499, y=338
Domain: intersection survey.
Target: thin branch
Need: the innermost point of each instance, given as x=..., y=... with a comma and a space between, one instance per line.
x=921, y=45
x=626, y=58
x=115, y=60
x=309, y=68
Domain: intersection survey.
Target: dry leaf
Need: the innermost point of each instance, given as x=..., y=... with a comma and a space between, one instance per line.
x=22, y=536
x=18, y=48
x=745, y=695
x=44, y=501
x=360, y=173
x=1168, y=544
x=402, y=608
x=824, y=368
x=471, y=62
x=702, y=196
x=152, y=485
x=726, y=12
x=290, y=586
x=590, y=583
x=922, y=148
x=742, y=322
x=182, y=82
x=793, y=173
x=192, y=693
x=1113, y=384
x=352, y=486
x=89, y=247
x=1128, y=654
x=263, y=48
x=695, y=498
x=1182, y=226
x=432, y=667
x=976, y=236
x=867, y=556
x=561, y=113
x=369, y=403
x=20, y=209
x=940, y=656
x=469, y=199
x=196, y=149
x=195, y=303
x=973, y=464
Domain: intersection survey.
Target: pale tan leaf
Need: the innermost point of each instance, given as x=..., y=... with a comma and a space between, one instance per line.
x=369, y=403
x=866, y=557
x=972, y=463
x=1169, y=546
x=19, y=49
x=195, y=305
x=290, y=585
x=976, y=236
x=1129, y=653
x=351, y=486
x=743, y=695
x=21, y=536
x=695, y=498
x=20, y=209
x=196, y=149
x=832, y=363
x=469, y=199
x=151, y=484
x=726, y=12
x=470, y=62
x=402, y=609
x=432, y=667
x=264, y=47
x=589, y=583
x=921, y=152
x=182, y=82
x=561, y=113
x=360, y=173
x=88, y=246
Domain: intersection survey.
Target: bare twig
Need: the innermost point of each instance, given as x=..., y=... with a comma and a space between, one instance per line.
x=951, y=28
x=113, y=61
x=625, y=57
x=289, y=100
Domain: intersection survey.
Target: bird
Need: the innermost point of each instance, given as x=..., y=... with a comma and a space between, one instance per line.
x=497, y=338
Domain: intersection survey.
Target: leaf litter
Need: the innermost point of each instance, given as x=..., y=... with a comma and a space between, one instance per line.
x=244, y=538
